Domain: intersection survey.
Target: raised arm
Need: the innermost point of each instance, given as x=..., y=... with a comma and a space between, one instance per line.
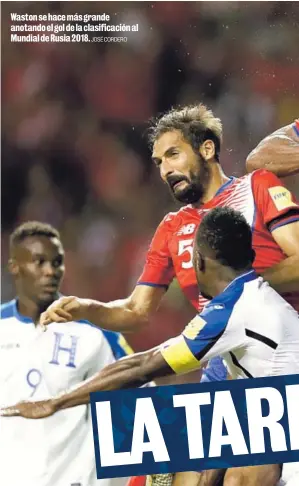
x=278, y=152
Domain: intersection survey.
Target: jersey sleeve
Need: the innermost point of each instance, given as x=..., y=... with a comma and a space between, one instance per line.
x=295, y=127
x=118, y=344
x=275, y=203
x=102, y=354
x=158, y=270
x=210, y=334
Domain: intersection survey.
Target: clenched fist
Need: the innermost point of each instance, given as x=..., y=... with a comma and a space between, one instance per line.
x=65, y=309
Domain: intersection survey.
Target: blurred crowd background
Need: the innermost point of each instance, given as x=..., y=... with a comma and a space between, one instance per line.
x=74, y=116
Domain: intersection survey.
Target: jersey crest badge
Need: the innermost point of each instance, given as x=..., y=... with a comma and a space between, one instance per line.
x=281, y=197
x=194, y=327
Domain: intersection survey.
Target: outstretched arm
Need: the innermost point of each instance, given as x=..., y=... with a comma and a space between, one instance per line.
x=129, y=372
x=126, y=315
x=278, y=152
x=202, y=339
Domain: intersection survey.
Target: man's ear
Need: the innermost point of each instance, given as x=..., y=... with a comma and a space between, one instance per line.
x=198, y=261
x=201, y=263
x=13, y=267
x=207, y=150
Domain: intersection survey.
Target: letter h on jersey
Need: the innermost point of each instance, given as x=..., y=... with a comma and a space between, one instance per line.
x=58, y=348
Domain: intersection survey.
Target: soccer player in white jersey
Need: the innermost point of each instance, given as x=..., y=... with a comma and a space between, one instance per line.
x=260, y=339
x=33, y=364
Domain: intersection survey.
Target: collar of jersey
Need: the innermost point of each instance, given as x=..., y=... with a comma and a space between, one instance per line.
x=233, y=288
x=225, y=186
x=20, y=317
x=245, y=277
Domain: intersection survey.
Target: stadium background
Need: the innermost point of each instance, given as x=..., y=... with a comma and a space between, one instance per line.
x=74, y=152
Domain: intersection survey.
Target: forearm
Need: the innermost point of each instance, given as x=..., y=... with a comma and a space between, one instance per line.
x=126, y=315
x=284, y=277
x=124, y=373
x=115, y=316
x=130, y=372
x=278, y=153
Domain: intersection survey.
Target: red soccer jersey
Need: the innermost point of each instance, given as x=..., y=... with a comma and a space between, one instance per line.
x=266, y=205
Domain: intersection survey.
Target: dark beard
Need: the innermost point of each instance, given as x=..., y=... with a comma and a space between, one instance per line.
x=195, y=190
x=191, y=195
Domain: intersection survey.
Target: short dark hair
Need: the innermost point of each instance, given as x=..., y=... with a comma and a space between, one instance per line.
x=32, y=228
x=196, y=122
x=227, y=233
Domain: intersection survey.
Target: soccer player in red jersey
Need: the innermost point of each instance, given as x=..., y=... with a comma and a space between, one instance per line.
x=186, y=150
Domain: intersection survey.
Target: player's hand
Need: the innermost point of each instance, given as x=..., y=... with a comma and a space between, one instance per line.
x=31, y=410
x=65, y=309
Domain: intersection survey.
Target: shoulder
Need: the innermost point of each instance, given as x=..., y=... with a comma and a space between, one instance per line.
x=211, y=322
x=295, y=128
x=87, y=327
x=83, y=329
x=173, y=220
x=169, y=223
x=7, y=309
x=221, y=307
x=114, y=340
x=264, y=178
x=118, y=344
x=170, y=219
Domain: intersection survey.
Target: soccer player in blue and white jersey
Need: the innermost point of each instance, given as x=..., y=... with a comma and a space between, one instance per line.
x=247, y=322
x=34, y=365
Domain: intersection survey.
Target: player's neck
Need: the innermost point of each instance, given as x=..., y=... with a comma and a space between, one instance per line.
x=216, y=180
x=221, y=281
x=28, y=308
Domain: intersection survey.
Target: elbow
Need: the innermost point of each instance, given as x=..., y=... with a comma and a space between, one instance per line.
x=136, y=316
x=137, y=324
x=143, y=321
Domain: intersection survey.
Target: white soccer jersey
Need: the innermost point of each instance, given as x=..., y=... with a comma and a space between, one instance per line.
x=58, y=450
x=249, y=324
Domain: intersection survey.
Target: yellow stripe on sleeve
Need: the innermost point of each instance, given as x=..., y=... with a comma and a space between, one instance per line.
x=179, y=357
x=125, y=345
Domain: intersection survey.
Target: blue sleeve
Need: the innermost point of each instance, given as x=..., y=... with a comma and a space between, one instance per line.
x=116, y=341
x=118, y=344
x=200, y=341
x=203, y=334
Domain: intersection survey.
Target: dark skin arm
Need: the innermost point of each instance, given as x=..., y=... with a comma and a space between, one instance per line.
x=278, y=153
x=131, y=372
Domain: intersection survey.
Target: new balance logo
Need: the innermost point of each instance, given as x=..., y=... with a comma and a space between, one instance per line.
x=187, y=229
